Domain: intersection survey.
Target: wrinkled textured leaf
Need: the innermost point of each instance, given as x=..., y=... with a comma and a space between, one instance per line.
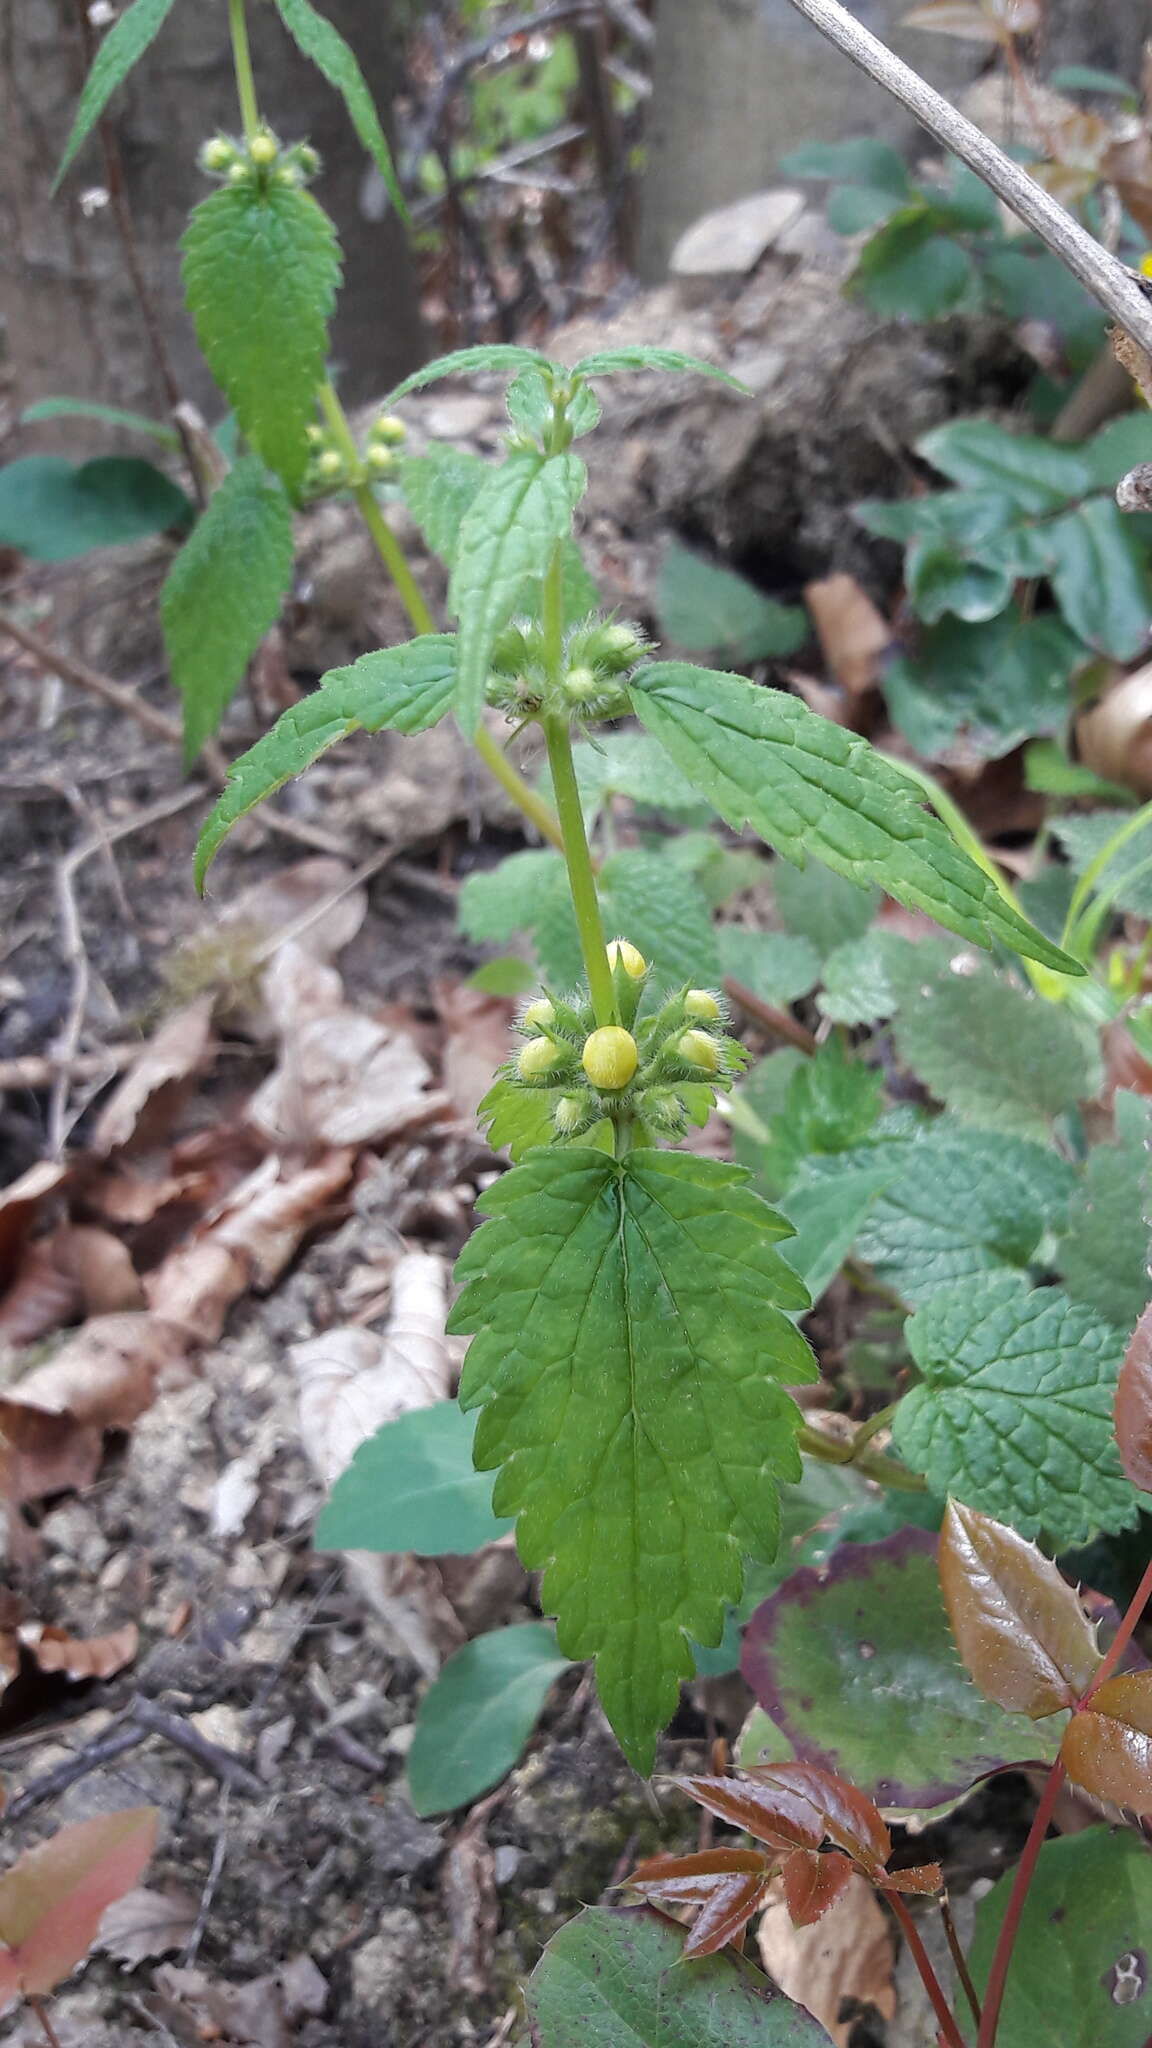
x=413, y=1486
x=1099, y=572
x=607, y=362
x=494, y=355
x=617, y=1978
x=1104, y=1254
x=1133, y=1414
x=633, y=765
x=476, y=1717
x=776, y=966
x=1036, y=475
x=521, y=513
x=53, y=509
x=854, y=1663
x=325, y=46
x=224, y=591
x=663, y=912
x=858, y=988
x=711, y=610
x=1019, y=1626
x=52, y=1898
x=1014, y=1415
x=1108, y=1748
x=261, y=267
x=1080, y=1973
x=631, y=1355
x=438, y=487
x=810, y=787
x=822, y=906
x=120, y=50
x=405, y=688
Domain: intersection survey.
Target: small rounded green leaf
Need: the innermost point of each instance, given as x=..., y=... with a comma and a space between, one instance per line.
x=52, y=509
x=413, y=1486
x=477, y=1716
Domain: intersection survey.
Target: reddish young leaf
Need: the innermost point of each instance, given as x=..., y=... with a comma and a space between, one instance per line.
x=847, y=1817
x=53, y=1897
x=1134, y=1406
x=689, y=1880
x=923, y=1878
x=812, y=1882
x=726, y=1914
x=1018, y=1625
x=1108, y=1748
x=777, y=1814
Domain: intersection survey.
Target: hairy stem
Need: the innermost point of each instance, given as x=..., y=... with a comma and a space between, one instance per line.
x=242, y=65
x=581, y=876
x=949, y=2031
x=1110, y=281
x=1021, y=1883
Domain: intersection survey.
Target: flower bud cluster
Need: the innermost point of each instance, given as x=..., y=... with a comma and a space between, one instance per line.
x=598, y=654
x=656, y=1072
x=262, y=161
x=329, y=469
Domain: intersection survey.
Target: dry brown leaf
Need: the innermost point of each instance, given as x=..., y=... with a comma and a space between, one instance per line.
x=853, y=634
x=147, y=1923
x=76, y=1271
x=18, y=1206
x=43, y=1453
x=343, y=1077
x=108, y=1373
x=1114, y=739
x=311, y=903
x=478, y=1037
x=242, y=2015
x=53, y=1649
x=843, y=1962
x=145, y=1105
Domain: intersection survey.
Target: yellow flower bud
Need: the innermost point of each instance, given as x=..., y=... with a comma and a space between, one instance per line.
x=622, y=954
x=263, y=150
x=330, y=463
x=388, y=429
x=701, y=1003
x=536, y=1059
x=700, y=1051
x=539, y=1015
x=610, y=1057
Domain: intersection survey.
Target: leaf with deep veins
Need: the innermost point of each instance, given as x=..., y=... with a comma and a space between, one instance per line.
x=631, y=1356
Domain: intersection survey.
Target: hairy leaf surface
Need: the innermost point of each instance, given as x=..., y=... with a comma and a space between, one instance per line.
x=320, y=41
x=404, y=688
x=122, y=47
x=517, y=518
x=261, y=267
x=631, y=1355
x=810, y=787
x=1104, y=1256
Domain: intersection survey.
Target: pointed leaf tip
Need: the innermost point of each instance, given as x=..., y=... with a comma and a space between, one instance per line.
x=1019, y=1626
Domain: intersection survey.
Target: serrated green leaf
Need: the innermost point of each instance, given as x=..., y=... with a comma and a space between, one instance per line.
x=405, y=689
x=108, y=415
x=1127, y=879
x=830, y=1104
x=777, y=966
x=224, y=591
x=323, y=44
x=859, y=987
x=995, y=1052
x=1104, y=1255
x=662, y=911
x=261, y=267
x=413, y=1486
x=121, y=49
x=607, y=362
x=498, y=902
x=908, y=269
x=476, y=1717
x=993, y=683
x=961, y=1203
x=495, y=355
x=822, y=906
x=1098, y=568
x=1036, y=475
x=615, y=1977
x=631, y=1353
x=810, y=787
x=711, y=610
x=1014, y=1415
x=516, y=1119
x=53, y=510
x=438, y=489
x=633, y=765
x=521, y=513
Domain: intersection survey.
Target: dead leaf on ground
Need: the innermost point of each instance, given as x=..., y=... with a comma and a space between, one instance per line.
x=18, y=1206
x=108, y=1373
x=1114, y=738
x=145, y=1105
x=477, y=1038
x=250, y=2015
x=853, y=634
x=147, y=1923
x=343, y=1077
x=310, y=903
x=42, y=1453
x=841, y=1964
x=75, y=1271
x=53, y=1649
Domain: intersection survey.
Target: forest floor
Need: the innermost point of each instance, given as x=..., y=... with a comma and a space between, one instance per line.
x=224, y=1125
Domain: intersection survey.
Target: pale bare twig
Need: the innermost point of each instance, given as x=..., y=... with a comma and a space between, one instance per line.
x=219, y=1852
x=90, y=679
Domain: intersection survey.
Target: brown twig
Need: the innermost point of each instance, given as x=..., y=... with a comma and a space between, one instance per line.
x=39, y=1070
x=779, y=1022
x=105, y=1750
x=90, y=679
x=37, y=2006
x=221, y=1762
x=219, y=1852
x=959, y=1959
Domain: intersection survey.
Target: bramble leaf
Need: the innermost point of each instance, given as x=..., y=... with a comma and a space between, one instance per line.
x=631, y=1356
x=224, y=591
x=1014, y=1415
x=1019, y=1626
x=413, y=1486
x=1036, y=475
x=810, y=787
x=1104, y=1255
x=261, y=267
x=404, y=688
x=1133, y=1413
x=1099, y=573
x=53, y=1898
x=522, y=511
x=1108, y=1748
x=477, y=1715
x=322, y=42
x=121, y=49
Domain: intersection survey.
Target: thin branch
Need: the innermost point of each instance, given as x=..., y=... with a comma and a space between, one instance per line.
x=90, y=679
x=1111, y=282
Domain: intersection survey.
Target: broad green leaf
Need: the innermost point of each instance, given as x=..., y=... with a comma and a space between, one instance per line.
x=1118, y=447
x=261, y=267
x=1127, y=879
x=1079, y=1972
x=995, y=1052
x=517, y=518
x=405, y=689
x=858, y=986
x=53, y=510
x=960, y=1203
x=1103, y=1258
x=633, y=765
x=1014, y=1415
x=855, y=1663
x=323, y=44
x=1036, y=475
x=909, y=270
x=828, y=1216
x=811, y=788
x=438, y=489
x=940, y=580
x=120, y=50
x=413, y=1486
x=991, y=684
x=476, y=1717
x=495, y=903
x=959, y=519
x=631, y=1355
x=108, y=415
x=819, y=905
x=607, y=362
x=494, y=355
x=1100, y=576
x=857, y=209
x=861, y=160
x=662, y=911
x=506, y=976
x=223, y=592
x=777, y=966
x=711, y=610
x=615, y=1977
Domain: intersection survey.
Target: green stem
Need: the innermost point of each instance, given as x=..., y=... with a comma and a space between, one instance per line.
x=873, y=1464
x=242, y=64
x=581, y=875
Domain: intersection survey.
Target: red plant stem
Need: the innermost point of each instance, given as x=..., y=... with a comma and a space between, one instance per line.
x=1006, y=1940
x=959, y=1959
x=949, y=2031
x=49, y=2031
x=1123, y=1635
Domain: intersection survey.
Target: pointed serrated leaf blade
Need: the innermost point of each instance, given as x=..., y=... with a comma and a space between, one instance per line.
x=1108, y=1749
x=122, y=47
x=322, y=42
x=1019, y=1627
x=1134, y=1406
